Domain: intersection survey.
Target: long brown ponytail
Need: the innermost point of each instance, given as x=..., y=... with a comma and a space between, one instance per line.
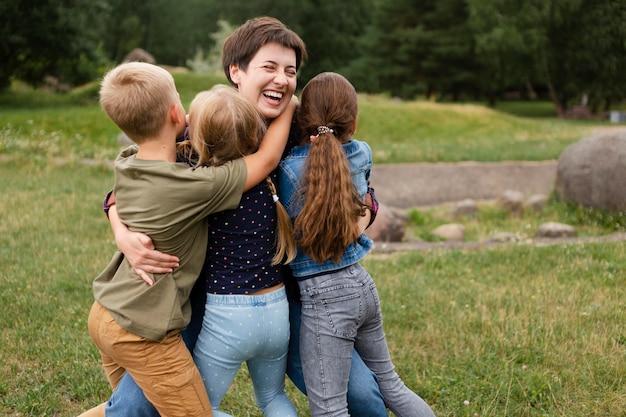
x=327, y=223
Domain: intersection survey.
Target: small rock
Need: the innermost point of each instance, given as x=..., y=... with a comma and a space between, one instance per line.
x=139, y=55
x=554, y=229
x=512, y=201
x=450, y=232
x=503, y=237
x=465, y=207
x=537, y=202
x=389, y=225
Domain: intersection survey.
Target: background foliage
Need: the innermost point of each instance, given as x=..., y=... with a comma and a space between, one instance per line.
x=571, y=51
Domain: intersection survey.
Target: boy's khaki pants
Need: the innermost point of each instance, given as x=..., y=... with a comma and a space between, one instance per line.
x=164, y=370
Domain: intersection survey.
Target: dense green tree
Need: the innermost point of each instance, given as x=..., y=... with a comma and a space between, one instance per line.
x=392, y=49
x=59, y=38
x=449, y=66
x=417, y=47
x=572, y=47
x=330, y=28
x=507, y=37
x=598, y=52
x=125, y=27
x=170, y=34
x=174, y=33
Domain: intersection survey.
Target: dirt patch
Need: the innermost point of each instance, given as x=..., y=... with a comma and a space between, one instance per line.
x=384, y=248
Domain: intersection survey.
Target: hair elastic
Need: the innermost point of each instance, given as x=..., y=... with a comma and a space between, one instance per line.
x=324, y=129
x=272, y=188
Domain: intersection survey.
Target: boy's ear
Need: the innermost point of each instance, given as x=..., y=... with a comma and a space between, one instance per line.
x=176, y=115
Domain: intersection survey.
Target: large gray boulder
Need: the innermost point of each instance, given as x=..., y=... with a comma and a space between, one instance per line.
x=389, y=225
x=592, y=172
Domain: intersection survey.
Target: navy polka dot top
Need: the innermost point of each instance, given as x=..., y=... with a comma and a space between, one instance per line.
x=242, y=244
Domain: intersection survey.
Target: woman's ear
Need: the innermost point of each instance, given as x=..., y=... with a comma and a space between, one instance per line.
x=234, y=73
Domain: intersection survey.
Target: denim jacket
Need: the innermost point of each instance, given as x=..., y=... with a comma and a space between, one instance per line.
x=290, y=170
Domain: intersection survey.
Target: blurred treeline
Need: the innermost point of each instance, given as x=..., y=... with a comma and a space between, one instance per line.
x=572, y=52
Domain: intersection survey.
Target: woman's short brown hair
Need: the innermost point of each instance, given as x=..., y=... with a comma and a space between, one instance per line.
x=245, y=42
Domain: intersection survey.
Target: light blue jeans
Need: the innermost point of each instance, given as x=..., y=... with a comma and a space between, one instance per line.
x=341, y=311
x=252, y=329
x=364, y=398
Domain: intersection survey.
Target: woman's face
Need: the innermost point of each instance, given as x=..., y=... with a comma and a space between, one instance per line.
x=270, y=79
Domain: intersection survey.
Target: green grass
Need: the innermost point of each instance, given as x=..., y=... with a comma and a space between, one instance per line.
x=527, y=108
x=515, y=331
x=69, y=126
x=518, y=331
x=53, y=239
x=422, y=131
x=72, y=125
x=491, y=219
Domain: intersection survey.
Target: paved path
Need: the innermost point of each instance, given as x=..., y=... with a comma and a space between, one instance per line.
x=383, y=248
x=413, y=185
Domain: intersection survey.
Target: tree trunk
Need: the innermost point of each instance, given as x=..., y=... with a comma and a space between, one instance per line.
x=560, y=110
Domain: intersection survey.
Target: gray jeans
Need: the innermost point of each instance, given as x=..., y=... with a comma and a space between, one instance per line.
x=341, y=311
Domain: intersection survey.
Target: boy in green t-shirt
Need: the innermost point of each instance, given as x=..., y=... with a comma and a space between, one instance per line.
x=135, y=326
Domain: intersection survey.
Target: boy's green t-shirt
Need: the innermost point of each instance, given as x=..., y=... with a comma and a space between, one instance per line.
x=170, y=203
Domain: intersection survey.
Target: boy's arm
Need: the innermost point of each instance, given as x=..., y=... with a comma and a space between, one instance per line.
x=139, y=249
x=261, y=163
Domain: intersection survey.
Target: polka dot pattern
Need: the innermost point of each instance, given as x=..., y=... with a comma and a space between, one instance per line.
x=242, y=244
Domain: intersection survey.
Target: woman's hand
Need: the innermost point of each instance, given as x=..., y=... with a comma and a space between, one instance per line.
x=139, y=250
x=364, y=220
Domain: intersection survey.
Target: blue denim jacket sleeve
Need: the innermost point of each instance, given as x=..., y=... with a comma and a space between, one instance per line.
x=360, y=157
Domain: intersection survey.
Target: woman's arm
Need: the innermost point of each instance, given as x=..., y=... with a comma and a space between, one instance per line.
x=139, y=250
x=371, y=209
x=261, y=163
x=364, y=220
x=372, y=204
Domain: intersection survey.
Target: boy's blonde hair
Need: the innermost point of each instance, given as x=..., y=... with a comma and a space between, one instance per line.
x=223, y=125
x=137, y=96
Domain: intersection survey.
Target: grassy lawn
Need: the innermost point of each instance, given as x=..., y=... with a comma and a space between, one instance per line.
x=491, y=219
x=417, y=131
x=513, y=331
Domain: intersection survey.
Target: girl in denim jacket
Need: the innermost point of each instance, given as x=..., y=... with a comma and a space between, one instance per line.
x=322, y=185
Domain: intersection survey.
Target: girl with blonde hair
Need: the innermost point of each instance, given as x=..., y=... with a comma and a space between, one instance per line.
x=246, y=312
